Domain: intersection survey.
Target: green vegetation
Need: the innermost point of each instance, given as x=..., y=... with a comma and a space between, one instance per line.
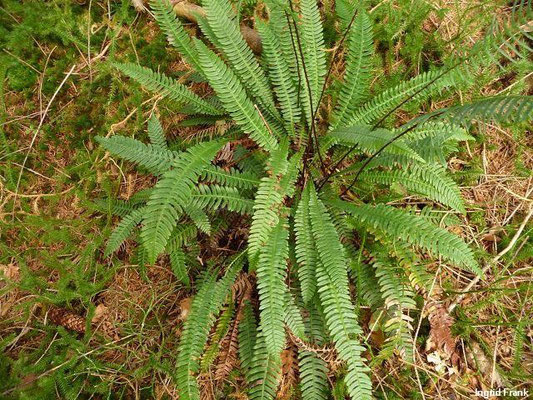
x=292, y=205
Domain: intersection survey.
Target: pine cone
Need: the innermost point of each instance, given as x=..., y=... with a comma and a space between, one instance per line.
x=68, y=320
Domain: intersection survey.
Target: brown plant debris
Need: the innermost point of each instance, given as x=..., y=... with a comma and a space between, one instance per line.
x=441, y=323
x=289, y=372
x=228, y=359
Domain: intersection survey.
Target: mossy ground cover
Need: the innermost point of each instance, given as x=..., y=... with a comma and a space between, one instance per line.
x=75, y=324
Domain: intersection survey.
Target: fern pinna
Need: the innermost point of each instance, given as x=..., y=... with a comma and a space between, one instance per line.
x=313, y=197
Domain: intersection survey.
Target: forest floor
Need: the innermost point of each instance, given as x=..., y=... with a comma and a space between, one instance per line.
x=74, y=324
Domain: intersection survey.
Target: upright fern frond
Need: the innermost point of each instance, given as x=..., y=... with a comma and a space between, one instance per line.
x=280, y=76
x=207, y=303
x=264, y=373
x=332, y=283
x=305, y=250
x=358, y=69
x=233, y=97
x=271, y=271
x=247, y=337
x=239, y=55
x=156, y=134
x=366, y=284
x=399, y=300
x=154, y=158
x=269, y=198
x=279, y=25
x=313, y=376
x=176, y=35
x=169, y=87
x=193, y=338
x=313, y=53
x=396, y=224
x=171, y=193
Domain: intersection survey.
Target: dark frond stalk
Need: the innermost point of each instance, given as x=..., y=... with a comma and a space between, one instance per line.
x=377, y=153
x=337, y=47
x=308, y=85
x=297, y=62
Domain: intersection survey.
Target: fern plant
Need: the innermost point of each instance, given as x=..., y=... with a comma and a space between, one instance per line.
x=314, y=196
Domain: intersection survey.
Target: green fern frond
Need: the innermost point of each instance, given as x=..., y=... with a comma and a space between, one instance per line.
x=434, y=141
x=399, y=300
x=396, y=225
x=279, y=25
x=430, y=181
x=215, y=340
x=123, y=230
x=265, y=372
x=436, y=129
x=386, y=101
x=181, y=235
x=358, y=69
x=313, y=54
x=177, y=263
x=247, y=336
x=206, y=303
x=332, y=282
x=501, y=109
x=207, y=30
x=164, y=85
x=370, y=140
x=280, y=76
x=269, y=197
x=220, y=17
x=271, y=272
x=313, y=376
x=171, y=193
x=366, y=284
x=153, y=158
x=293, y=317
x=305, y=251
x=199, y=217
x=156, y=134
x=166, y=18
x=233, y=97
x=344, y=10
x=117, y=207
x=193, y=338
x=230, y=177
x=214, y=197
